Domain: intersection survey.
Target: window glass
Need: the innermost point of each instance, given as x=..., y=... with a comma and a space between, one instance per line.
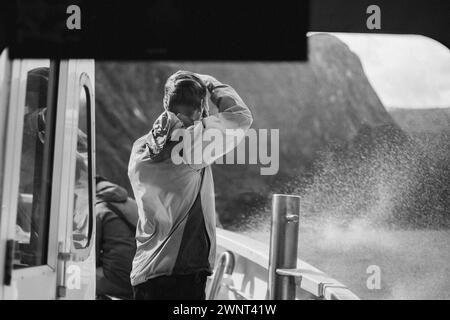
x=33, y=209
x=82, y=197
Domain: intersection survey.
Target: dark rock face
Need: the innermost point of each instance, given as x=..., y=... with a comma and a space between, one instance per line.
x=315, y=105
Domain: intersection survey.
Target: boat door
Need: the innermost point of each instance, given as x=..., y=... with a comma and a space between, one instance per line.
x=76, y=277
x=41, y=189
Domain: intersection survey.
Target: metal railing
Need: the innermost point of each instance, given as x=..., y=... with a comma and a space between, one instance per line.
x=225, y=266
x=284, y=276
x=283, y=245
x=318, y=284
x=288, y=277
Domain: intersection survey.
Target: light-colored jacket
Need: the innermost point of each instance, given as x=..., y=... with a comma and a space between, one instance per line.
x=166, y=192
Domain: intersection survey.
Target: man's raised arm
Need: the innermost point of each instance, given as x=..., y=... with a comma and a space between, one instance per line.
x=220, y=133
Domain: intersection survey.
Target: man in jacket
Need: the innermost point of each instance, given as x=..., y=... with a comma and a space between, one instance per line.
x=115, y=240
x=175, y=235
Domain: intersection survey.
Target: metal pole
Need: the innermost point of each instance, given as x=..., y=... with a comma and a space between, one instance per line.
x=283, y=245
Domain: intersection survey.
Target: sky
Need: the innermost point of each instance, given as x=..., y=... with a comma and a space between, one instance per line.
x=407, y=71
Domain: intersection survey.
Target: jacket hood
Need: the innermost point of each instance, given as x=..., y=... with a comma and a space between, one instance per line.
x=110, y=192
x=158, y=141
x=118, y=197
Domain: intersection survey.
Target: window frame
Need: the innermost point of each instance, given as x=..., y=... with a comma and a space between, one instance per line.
x=33, y=276
x=84, y=83
x=45, y=191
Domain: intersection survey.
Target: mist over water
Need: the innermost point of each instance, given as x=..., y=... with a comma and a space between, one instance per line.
x=414, y=264
x=383, y=201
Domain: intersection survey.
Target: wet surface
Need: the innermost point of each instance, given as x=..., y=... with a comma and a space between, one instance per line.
x=413, y=264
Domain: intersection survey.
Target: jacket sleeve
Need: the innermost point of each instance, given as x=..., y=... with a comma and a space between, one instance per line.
x=218, y=134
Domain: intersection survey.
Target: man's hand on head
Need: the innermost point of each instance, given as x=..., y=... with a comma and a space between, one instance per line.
x=208, y=80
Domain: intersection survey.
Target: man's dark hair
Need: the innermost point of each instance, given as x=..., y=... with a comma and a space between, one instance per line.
x=184, y=89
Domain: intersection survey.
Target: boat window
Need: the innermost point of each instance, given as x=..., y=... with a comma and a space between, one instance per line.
x=82, y=215
x=33, y=210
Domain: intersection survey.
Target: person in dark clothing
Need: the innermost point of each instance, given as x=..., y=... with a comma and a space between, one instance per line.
x=117, y=216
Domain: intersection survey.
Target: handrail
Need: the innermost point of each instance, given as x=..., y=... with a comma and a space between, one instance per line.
x=225, y=266
x=318, y=284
